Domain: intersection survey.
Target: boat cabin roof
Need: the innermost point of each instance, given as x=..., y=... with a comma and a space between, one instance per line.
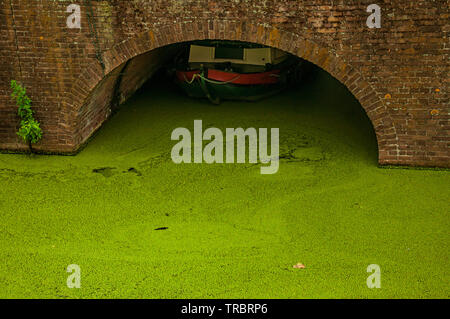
x=238, y=55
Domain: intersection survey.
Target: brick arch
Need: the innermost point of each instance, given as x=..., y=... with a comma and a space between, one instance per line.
x=294, y=43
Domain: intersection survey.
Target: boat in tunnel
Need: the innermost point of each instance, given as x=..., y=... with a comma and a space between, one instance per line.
x=227, y=70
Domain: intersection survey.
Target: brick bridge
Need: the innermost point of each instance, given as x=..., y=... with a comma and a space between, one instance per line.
x=399, y=72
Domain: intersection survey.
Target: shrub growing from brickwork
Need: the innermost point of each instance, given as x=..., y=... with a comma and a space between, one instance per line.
x=29, y=130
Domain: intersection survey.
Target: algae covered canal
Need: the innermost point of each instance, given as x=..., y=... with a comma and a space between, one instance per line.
x=140, y=226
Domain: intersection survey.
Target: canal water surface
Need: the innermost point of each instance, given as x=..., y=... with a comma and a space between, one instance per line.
x=140, y=226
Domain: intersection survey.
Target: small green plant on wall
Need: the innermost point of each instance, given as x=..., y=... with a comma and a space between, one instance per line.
x=30, y=129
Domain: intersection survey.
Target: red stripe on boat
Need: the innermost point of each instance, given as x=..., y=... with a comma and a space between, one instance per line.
x=186, y=75
x=269, y=77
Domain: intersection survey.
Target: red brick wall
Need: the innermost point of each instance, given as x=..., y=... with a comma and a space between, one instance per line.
x=399, y=72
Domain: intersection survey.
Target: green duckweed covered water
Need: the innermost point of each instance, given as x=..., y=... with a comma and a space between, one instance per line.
x=231, y=232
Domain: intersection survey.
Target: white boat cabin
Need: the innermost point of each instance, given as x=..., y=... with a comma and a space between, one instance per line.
x=247, y=58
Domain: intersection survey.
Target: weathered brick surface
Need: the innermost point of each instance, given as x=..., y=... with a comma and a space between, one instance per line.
x=399, y=73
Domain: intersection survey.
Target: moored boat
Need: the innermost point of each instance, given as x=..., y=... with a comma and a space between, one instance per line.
x=227, y=70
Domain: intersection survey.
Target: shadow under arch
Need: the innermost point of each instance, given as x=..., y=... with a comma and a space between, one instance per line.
x=293, y=43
